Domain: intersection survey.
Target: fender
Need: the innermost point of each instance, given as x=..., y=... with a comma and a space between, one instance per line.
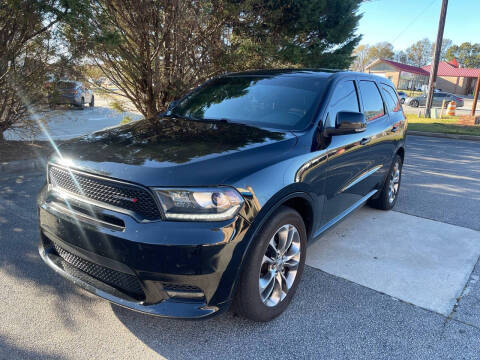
x=297, y=190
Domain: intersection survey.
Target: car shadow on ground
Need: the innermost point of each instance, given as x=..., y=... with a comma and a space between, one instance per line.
x=19, y=236
x=8, y=350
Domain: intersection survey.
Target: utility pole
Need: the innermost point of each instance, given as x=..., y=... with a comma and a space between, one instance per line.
x=436, y=57
x=475, y=97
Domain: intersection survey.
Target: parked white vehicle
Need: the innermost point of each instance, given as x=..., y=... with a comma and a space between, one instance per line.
x=72, y=93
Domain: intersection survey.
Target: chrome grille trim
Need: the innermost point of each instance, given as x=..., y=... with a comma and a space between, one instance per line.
x=105, y=192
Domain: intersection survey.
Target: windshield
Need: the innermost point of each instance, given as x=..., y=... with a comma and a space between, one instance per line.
x=286, y=102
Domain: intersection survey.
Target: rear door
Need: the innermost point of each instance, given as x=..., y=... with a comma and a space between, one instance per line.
x=380, y=147
x=396, y=121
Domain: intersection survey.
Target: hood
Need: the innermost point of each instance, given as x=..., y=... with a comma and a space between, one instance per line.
x=177, y=152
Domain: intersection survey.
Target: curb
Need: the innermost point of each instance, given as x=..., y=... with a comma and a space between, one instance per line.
x=446, y=136
x=22, y=165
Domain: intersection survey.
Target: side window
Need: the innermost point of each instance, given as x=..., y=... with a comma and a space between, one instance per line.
x=372, y=101
x=391, y=98
x=344, y=98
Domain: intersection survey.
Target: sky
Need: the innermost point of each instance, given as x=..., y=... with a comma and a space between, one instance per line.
x=403, y=22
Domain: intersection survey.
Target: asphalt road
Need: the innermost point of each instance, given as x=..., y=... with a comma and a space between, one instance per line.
x=44, y=316
x=466, y=109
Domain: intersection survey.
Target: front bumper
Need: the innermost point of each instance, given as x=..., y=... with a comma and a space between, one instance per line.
x=183, y=270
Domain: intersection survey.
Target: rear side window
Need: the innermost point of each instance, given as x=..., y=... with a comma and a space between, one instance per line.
x=344, y=98
x=372, y=101
x=391, y=98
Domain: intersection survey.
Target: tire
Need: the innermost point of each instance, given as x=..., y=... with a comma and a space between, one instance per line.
x=249, y=301
x=82, y=104
x=92, y=102
x=414, y=103
x=389, y=192
x=402, y=101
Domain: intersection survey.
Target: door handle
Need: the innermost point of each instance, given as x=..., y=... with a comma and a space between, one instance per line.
x=365, y=141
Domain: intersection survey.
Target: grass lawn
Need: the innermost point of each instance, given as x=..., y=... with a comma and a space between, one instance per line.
x=446, y=125
x=411, y=93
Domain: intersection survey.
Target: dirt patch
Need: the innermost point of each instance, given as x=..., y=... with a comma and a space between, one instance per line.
x=23, y=150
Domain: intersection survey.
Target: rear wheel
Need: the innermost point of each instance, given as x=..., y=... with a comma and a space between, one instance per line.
x=274, y=267
x=414, y=103
x=82, y=104
x=92, y=102
x=389, y=192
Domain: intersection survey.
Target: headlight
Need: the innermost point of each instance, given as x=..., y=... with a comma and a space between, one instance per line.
x=200, y=204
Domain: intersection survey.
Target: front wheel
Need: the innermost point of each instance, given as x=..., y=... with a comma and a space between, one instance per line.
x=414, y=103
x=92, y=102
x=389, y=192
x=273, y=268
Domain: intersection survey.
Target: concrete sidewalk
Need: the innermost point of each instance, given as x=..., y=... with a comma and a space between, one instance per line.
x=423, y=262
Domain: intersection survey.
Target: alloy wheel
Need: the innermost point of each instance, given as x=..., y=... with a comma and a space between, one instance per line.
x=394, y=183
x=279, y=265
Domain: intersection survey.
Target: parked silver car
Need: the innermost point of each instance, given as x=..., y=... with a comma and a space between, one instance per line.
x=71, y=93
x=438, y=98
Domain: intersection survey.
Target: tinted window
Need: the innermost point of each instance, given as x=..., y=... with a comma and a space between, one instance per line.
x=66, y=85
x=372, y=101
x=439, y=95
x=284, y=102
x=391, y=98
x=344, y=98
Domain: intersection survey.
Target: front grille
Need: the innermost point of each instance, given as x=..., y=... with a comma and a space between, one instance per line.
x=121, y=195
x=123, y=282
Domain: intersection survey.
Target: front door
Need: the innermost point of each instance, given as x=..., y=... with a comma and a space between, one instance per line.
x=355, y=164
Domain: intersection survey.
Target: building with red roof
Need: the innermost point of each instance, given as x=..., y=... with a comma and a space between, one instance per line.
x=450, y=77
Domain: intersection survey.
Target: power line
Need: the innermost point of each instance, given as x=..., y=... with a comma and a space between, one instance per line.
x=413, y=21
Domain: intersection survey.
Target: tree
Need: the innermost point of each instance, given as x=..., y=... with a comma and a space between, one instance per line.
x=25, y=51
x=401, y=57
x=446, y=44
x=307, y=33
x=467, y=54
x=381, y=50
x=362, y=58
x=155, y=50
x=420, y=53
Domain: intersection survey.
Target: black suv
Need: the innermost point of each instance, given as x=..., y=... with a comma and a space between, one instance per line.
x=214, y=202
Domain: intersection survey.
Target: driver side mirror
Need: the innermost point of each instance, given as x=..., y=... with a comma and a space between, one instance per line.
x=348, y=122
